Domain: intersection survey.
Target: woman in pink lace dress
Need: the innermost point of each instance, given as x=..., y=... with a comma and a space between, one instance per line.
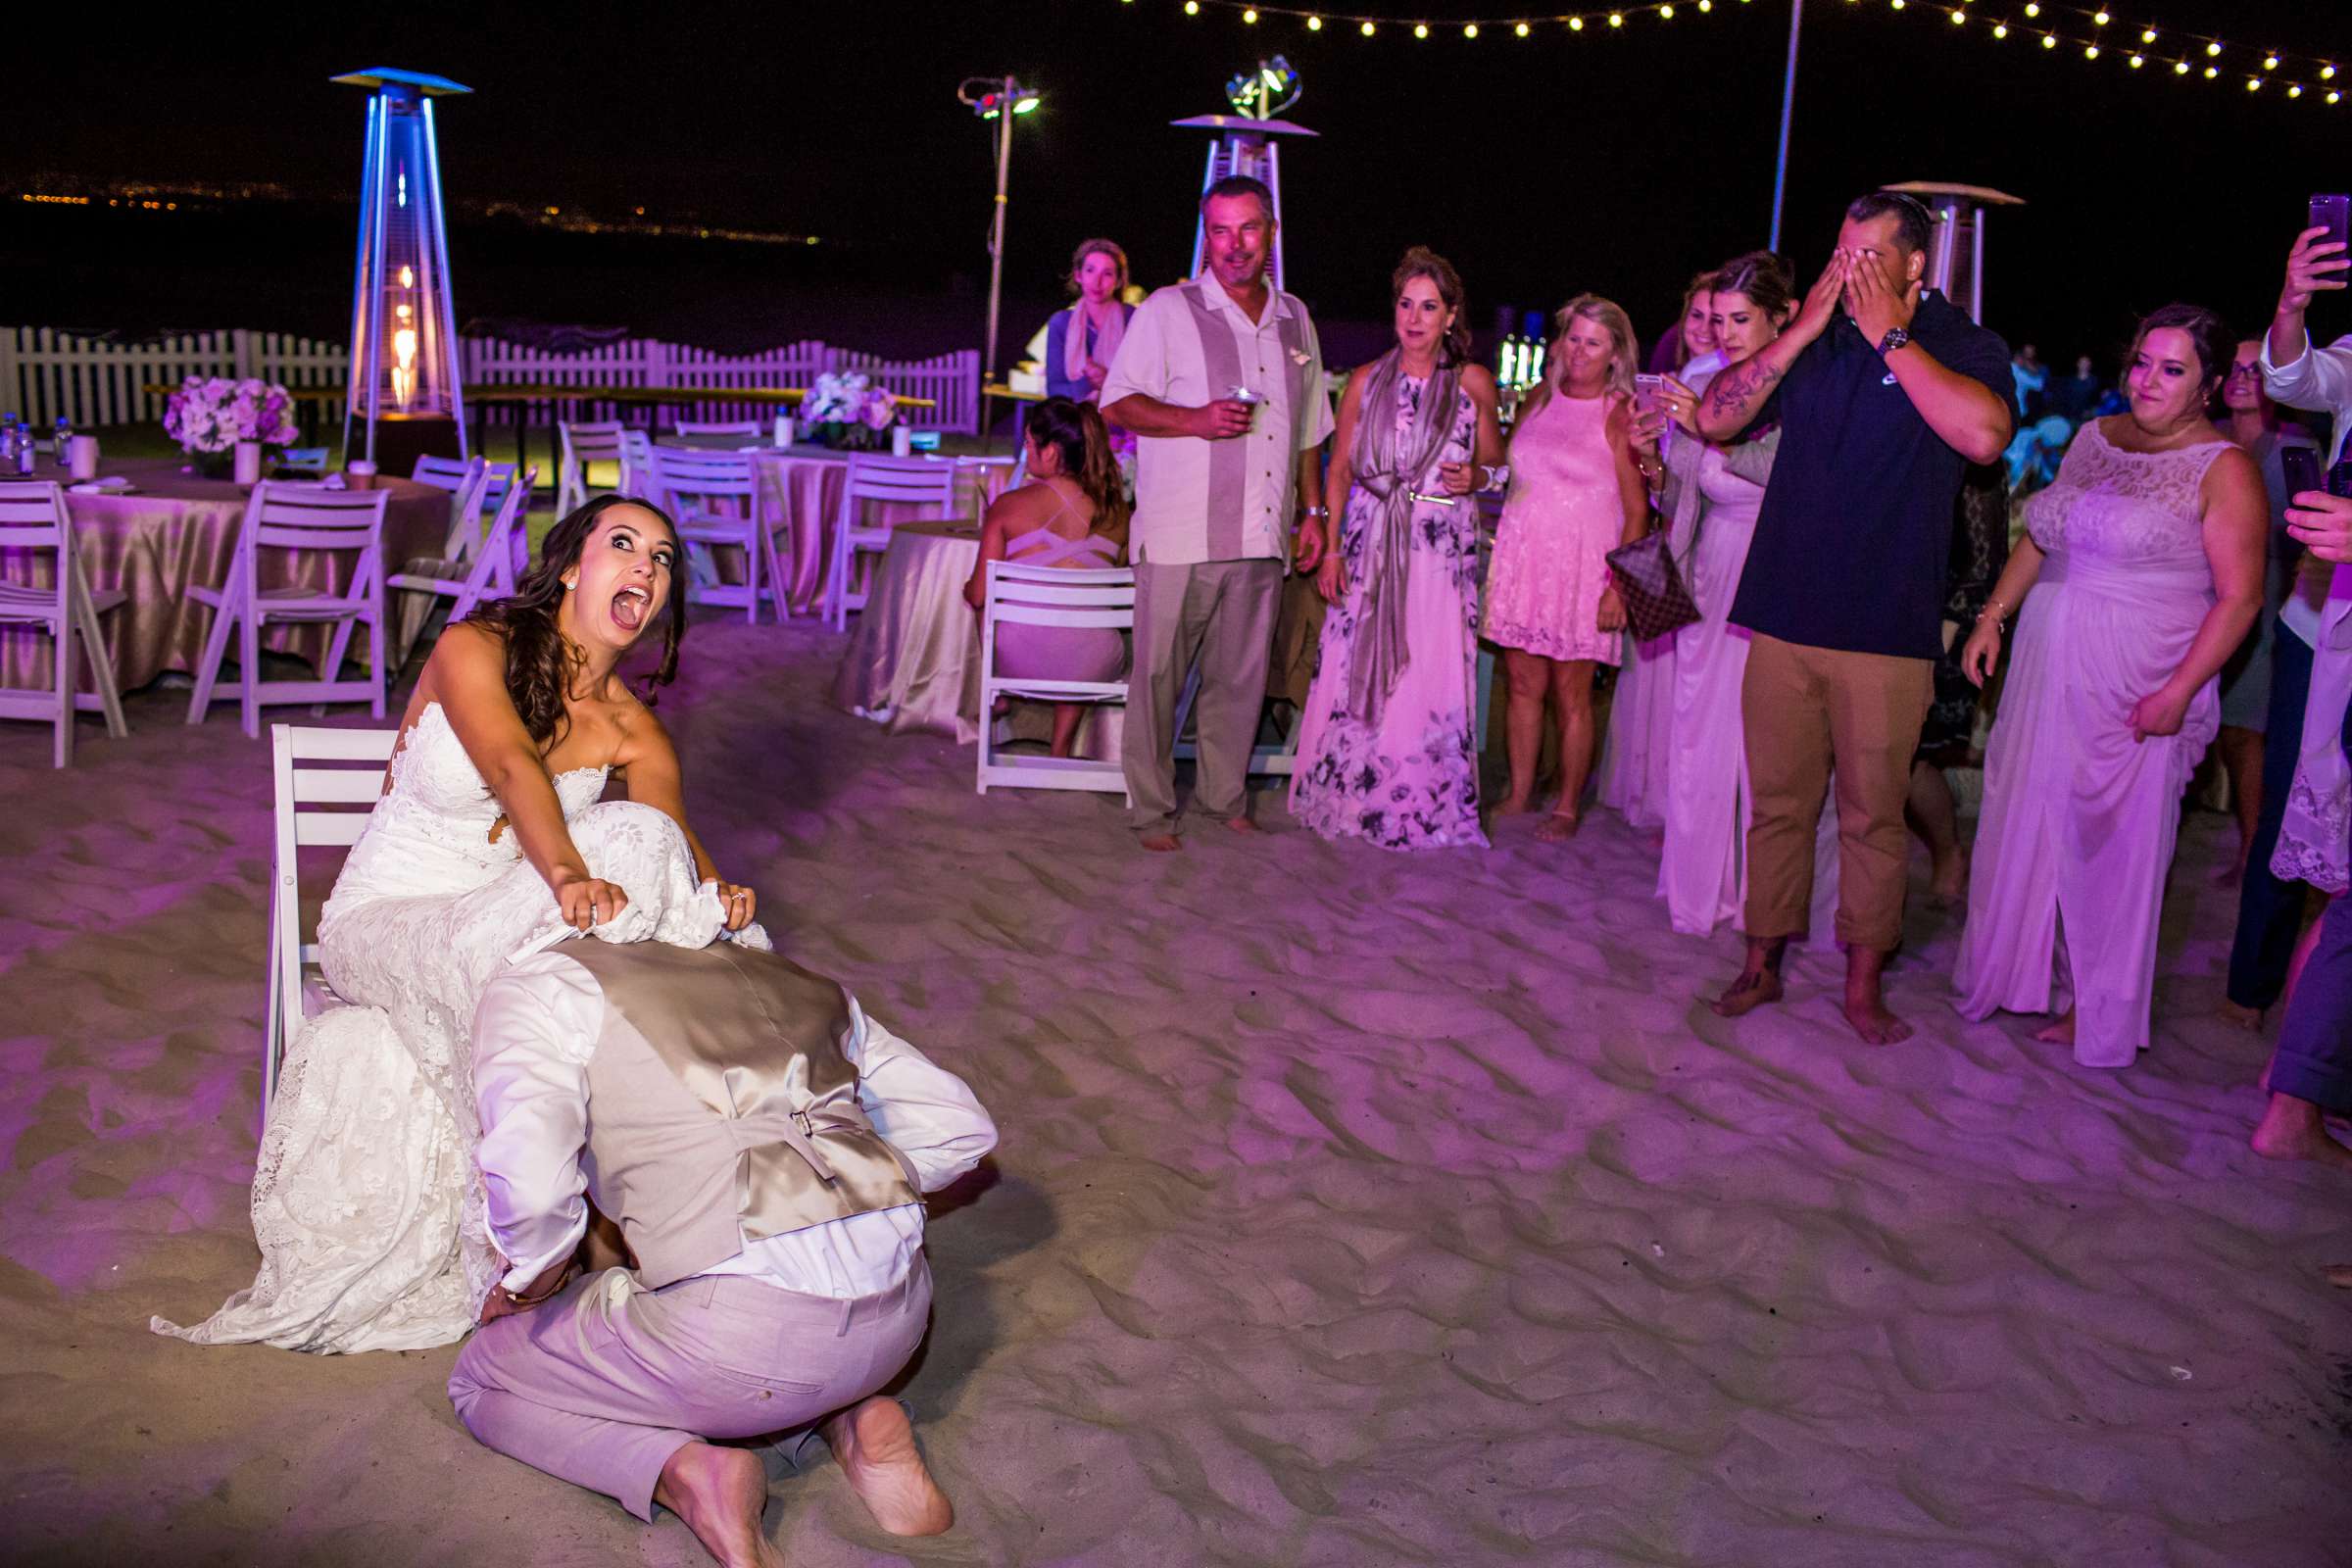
x=1577, y=494
x=1384, y=745
x=2145, y=566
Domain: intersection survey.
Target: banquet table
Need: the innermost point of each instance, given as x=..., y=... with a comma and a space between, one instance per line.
x=914, y=661
x=800, y=487
x=175, y=531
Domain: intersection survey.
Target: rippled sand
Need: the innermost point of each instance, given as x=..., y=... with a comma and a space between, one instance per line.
x=1351, y=1208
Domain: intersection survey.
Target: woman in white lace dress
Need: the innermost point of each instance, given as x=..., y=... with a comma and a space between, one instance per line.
x=2145, y=563
x=489, y=842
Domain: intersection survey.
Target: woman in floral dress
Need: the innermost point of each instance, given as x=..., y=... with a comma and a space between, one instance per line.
x=1386, y=752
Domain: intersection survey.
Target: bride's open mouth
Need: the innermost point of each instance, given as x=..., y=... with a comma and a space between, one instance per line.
x=630, y=606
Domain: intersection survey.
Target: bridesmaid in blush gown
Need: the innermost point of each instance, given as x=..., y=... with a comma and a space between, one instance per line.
x=2145, y=565
x=1385, y=750
x=1576, y=494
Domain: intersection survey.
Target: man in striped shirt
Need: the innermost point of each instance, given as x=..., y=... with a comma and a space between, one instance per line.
x=1221, y=378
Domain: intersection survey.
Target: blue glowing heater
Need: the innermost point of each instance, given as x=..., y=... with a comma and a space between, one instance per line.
x=404, y=341
x=1247, y=142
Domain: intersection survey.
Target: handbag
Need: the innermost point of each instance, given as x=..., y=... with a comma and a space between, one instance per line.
x=1657, y=603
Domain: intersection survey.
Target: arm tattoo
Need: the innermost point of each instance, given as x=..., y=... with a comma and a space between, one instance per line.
x=1735, y=392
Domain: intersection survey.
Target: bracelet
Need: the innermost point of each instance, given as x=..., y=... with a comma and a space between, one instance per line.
x=547, y=1294
x=1315, y=511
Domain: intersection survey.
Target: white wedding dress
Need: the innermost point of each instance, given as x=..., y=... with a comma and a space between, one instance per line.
x=366, y=1200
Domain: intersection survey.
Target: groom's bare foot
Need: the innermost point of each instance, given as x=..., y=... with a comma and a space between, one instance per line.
x=875, y=1445
x=1752, y=989
x=2060, y=1033
x=1242, y=824
x=1160, y=843
x=719, y=1493
x=2294, y=1129
x=1868, y=1016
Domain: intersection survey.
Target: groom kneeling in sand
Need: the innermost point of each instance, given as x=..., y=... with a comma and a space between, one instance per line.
x=763, y=1147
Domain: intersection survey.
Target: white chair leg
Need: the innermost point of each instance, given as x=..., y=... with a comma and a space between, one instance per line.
x=216, y=651
x=94, y=652
x=64, y=640
x=751, y=578
x=249, y=657
x=378, y=677
x=837, y=582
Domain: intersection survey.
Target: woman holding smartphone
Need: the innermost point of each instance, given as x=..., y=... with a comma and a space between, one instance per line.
x=2144, y=566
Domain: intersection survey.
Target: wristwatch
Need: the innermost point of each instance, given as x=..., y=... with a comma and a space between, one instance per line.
x=1896, y=338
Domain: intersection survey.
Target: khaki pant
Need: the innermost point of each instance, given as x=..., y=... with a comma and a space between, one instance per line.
x=1222, y=613
x=1801, y=709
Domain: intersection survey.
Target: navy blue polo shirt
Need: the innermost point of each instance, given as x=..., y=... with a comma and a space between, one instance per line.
x=1855, y=535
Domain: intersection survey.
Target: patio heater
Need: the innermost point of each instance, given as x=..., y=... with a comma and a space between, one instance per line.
x=405, y=391
x=1249, y=142
x=1956, y=251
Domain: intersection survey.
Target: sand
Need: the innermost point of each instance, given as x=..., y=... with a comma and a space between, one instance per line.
x=1351, y=1208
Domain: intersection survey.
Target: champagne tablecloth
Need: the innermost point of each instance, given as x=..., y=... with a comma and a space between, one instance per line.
x=913, y=660
x=800, y=489
x=177, y=531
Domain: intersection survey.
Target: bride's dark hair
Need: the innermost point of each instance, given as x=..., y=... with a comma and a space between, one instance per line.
x=540, y=659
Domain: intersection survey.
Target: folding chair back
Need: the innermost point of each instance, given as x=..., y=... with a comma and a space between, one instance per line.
x=300, y=798
x=34, y=521
x=931, y=483
x=1075, y=598
x=579, y=445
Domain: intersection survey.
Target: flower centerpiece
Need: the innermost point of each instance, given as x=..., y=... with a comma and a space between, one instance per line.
x=847, y=412
x=210, y=414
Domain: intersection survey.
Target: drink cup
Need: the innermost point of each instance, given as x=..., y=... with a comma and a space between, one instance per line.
x=359, y=475
x=82, y=455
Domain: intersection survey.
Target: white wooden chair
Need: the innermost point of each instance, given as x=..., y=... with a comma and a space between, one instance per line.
x=487, y=572
x=926, y=482
x=579, y=445
x=636, y=464
x=297, y=518
x=1049, y=596
x=298, y=989
x=748, y=429
x=33, y=517
x=685, y=484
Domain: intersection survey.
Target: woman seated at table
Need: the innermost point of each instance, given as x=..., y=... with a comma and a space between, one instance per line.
x=1081, y=340
x=1073, y=513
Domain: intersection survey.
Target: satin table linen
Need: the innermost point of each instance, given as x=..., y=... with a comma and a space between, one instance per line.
x=913, y=660
x=800, y=487
x=176, y=531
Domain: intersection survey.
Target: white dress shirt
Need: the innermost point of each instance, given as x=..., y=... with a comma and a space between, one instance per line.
x=534, y=1032
x=2320, y=380
x=1162, y=357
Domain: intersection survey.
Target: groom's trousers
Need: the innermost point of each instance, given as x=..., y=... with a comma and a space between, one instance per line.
x=602, y=1384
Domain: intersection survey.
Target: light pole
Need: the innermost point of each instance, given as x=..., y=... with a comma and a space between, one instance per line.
x=1001, y=99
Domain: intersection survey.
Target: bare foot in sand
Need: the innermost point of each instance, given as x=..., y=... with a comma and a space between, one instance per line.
x=1161, y=843
x=875, y=1445
x=1511, y=806
x=2294, y=1129
x=2338, y=1275
x=1558, y=828
x=1868, y=1016
x=1242, y=824
x=2061, y=1033
x=719, y=1493
x=1752, y=989
x=2239, y=1017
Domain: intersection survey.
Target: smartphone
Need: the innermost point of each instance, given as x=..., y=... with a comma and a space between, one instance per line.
x=1645, y=391
x=2339, y=479
x=2301, y=468
x=2334, y=214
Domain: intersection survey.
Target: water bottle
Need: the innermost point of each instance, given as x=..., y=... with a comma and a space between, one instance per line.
x=64, y=439
x=24, y=451
x=8, y=446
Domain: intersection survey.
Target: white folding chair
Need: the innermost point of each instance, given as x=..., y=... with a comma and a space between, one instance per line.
x=298, y=988
x=303, y=519
x=1049, y=596
x=464, y=478
x=1277, y=761
x=33, y=518
x=579, y=445
x=486, y=572
x=636, y=464
x=686, y=484
x=748, y=429
x=927, y=482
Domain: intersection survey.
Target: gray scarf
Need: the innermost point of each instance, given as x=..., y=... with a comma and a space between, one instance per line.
x=1389, y=468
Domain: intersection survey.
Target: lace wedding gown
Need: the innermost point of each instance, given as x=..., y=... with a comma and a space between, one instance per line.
x=366, y=1201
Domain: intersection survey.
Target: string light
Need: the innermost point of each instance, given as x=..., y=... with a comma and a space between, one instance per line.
x=2295, y=71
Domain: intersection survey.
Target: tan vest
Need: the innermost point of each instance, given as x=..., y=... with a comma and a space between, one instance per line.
x=722, y=1108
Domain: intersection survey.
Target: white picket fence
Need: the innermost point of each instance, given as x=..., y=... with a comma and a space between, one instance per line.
x=45, y=374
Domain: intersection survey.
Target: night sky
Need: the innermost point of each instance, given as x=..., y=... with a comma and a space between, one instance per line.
x=1615, y=162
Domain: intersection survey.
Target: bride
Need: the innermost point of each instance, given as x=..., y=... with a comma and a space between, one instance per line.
x=489, y=842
